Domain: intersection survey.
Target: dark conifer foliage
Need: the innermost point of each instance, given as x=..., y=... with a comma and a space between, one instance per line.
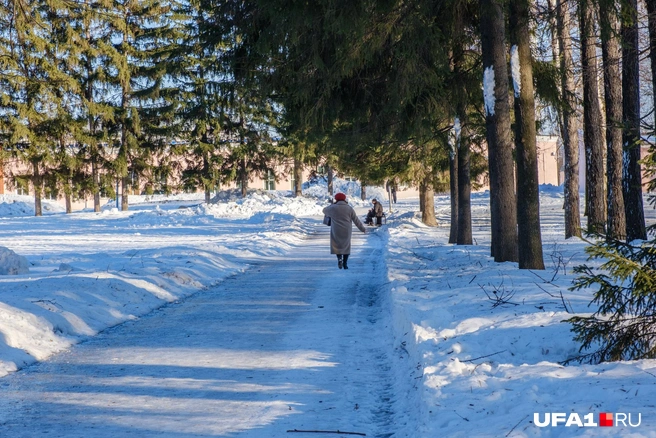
x=624, y=326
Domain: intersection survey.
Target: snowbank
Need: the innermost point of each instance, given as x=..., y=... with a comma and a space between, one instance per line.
x=18, y=205
x=485, y=341
x=231, y=204
x=11, y=263
x=92, y=271
x=318, y=188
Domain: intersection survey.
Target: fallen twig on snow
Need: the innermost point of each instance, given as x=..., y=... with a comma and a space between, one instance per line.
x=328, y=431
x=520, y=421
x=481, y=357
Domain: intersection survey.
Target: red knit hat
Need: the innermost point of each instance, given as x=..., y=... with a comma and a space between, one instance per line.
x=340, y=197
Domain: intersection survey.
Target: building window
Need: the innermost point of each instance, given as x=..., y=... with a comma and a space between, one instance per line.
x=22, y=190
x=50, y=193
x=270, y=181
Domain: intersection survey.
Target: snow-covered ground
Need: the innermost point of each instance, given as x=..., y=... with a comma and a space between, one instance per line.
x=462, y=365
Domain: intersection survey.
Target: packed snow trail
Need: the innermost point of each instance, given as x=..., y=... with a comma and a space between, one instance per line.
x=292, y=344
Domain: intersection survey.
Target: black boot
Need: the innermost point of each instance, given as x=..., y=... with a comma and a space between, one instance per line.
x=339, y=261
x=346, y=256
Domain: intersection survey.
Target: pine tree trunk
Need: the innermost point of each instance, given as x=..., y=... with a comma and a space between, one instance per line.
x=422, y=197
x=651, y=17
x=595, y=201
x=330, y=180
x=528, y=198
x=207, y=171
x=611, y=53
x=363, y=190
x=553, y=9
x=95, y=175
x=125, y=184
x=68, y=197
x=298, y=178
x=428, y=201
x=464, y=187
x=453, y=189
x=244, y=179
x=503, y=204
x=38, y=189
x=93, y=148
x=464, y=233
x=632, y=177
x=126, y=90
x=570, y=131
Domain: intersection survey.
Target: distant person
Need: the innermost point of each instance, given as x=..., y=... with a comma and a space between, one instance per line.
x=375, y=212
x=391, y=189
x=341, y=216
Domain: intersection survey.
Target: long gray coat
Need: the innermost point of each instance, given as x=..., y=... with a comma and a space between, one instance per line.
x=341, y=215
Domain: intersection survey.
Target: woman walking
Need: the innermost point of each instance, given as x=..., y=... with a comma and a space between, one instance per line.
x=341, y=216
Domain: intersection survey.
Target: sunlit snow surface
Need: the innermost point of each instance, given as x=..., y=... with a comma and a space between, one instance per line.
x=260, y=333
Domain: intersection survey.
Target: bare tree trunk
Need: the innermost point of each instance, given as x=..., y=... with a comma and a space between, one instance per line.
x=553, y=10
x=244, y=178
x=635, y=215
x=611, y=53
x=125, y=184
x=422, y=190
x=528, y=198
x=330, y=180
x=37, y=182
x=464, y=186
x=95, y=175
x=570, y=131
x=463, y=177
x=69, y=203
x=68, y=189
x=503, y=204
x=595, y=200
x=453, y=190
x=363, y=190
x=298, y=178
x=428, y=201
x=207, y=171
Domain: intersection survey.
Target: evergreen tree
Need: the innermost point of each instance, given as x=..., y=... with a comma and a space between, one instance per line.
x=569, y=131
x=466, y=77
x=611, y=52
x=528, y=202
x=503, y=204
x=197, y=71
x=453, y=186
x=632, y=173
x=83, y=30
x=142, y=37
x=595, y=200
x=31, y=89
x=623, y=327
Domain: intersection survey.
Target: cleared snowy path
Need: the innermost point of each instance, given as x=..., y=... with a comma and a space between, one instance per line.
x=294, y=343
